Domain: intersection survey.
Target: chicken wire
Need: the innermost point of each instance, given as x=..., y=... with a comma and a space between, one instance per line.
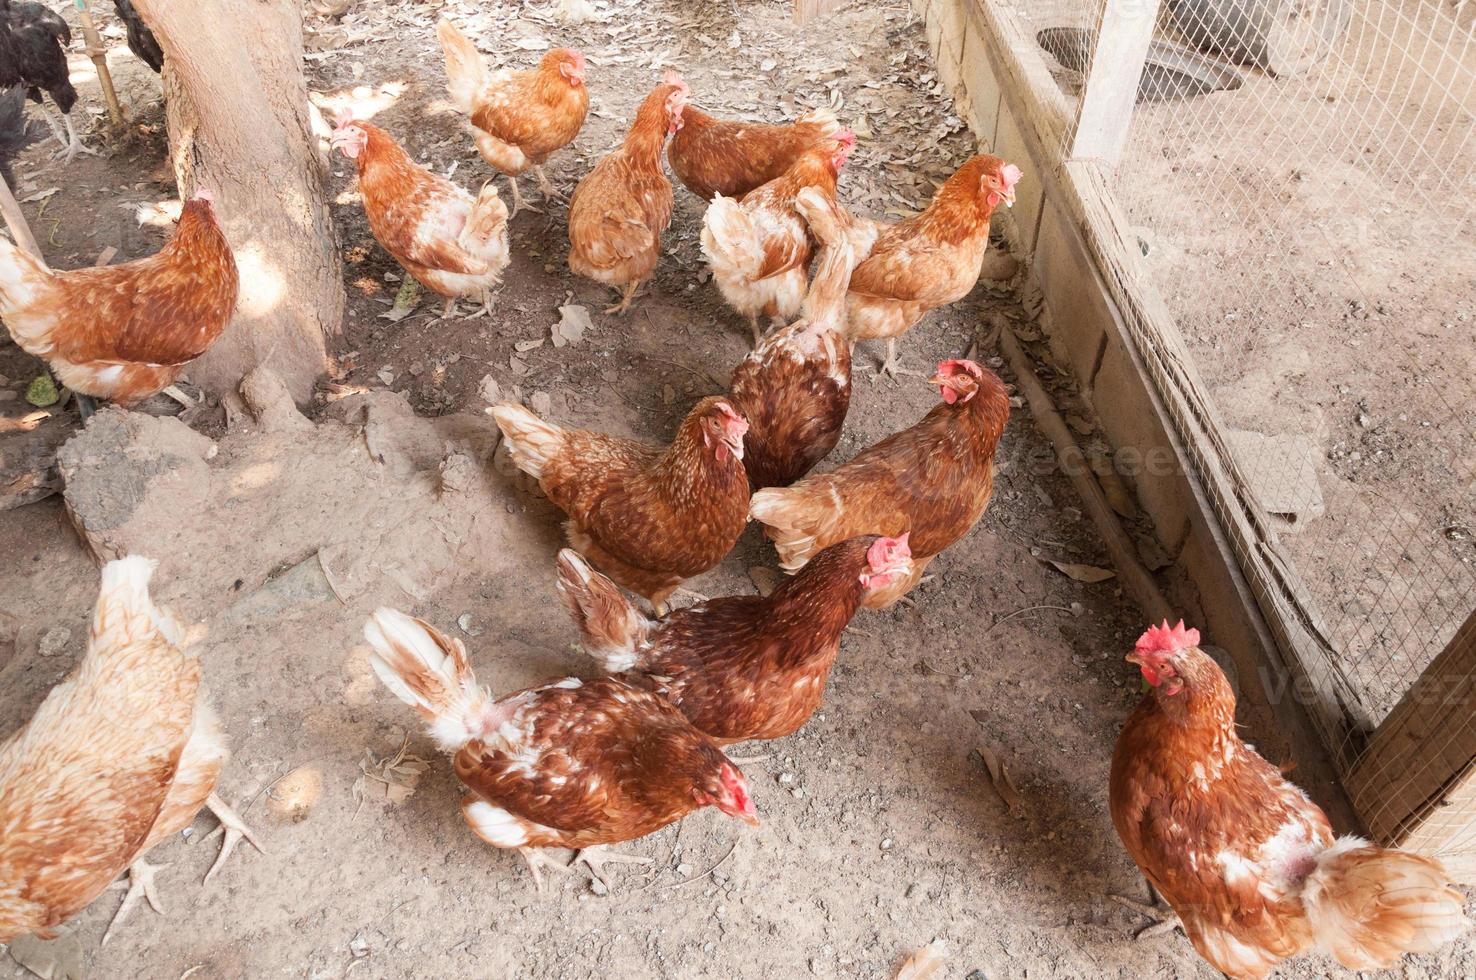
x=1304, y=204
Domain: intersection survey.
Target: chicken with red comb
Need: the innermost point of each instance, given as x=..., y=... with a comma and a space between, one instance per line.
x=566, y=764
x=518, y=118
x=740, y=667
x=647, y=517
x=929, y=260
x=933, y=480
x=1246, y=862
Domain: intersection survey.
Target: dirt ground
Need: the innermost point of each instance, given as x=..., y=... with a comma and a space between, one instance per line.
x=881, y=830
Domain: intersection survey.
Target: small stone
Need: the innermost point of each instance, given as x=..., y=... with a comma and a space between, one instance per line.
x=598, y=887
x=886, y=844
x=386, y=376
x=684, y=869
x=54, y=641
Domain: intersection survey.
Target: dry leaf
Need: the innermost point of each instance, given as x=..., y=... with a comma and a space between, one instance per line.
x=926, y=963
x=1000, y=777
x=540, y=402
x=524, y=346
x=1082, y=573
x=574, y=321
x=392, y=778
x=490, y=390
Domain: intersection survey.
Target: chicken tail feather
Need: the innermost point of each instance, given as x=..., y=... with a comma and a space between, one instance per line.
x=1369, y=905
x=729, y=239
x=825, y=119
x=612, y=628
x=486, y=222
x=466, y=71
x=125, y=614
x=795, y=519
x=531, y=441
x=429, y=671
x=22, y=278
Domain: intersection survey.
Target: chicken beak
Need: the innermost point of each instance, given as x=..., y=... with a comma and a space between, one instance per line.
x=735, y=446
x=1009, y=198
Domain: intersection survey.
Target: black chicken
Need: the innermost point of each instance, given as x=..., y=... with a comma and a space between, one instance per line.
x=140, y=39
x=33, y=54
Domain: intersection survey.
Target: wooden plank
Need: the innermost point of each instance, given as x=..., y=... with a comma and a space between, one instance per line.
x=807, y=10
x=1416, y=782
x=1111, y=87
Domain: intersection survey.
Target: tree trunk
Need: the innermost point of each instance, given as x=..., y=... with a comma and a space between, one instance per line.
x=237, y=109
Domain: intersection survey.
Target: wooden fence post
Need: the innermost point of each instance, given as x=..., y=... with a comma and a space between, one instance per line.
x=807, y=10
x=1415, y=786
x=1111, y=87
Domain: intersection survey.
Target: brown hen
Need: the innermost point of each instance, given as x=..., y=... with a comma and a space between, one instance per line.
x=569, y=764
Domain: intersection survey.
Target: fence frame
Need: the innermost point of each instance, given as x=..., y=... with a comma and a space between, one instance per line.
x=1149, y=399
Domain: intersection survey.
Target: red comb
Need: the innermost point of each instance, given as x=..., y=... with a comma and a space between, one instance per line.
x=342, y=118
x=958, y=364
x=1011, y=175
x=733, y=417
x=1167, y=639
x=885, y=551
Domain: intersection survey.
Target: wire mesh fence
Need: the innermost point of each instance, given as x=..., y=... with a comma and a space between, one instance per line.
x=1299, y=177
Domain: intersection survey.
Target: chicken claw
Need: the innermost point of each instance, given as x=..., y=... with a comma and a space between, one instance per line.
x=1164, y=918
x=234, y=830
x=594, y=857
x=625, y=297
x=518, y=203
x=140, y=883
x=538, y=858
x=546, y=187
x=889, y=366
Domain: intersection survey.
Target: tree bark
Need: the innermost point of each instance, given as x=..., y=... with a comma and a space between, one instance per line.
x=237, y=109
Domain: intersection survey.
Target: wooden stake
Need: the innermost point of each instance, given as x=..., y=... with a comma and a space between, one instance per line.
x=1111, y=88
x=15, y=220
x=807, y=10
x=99, y=56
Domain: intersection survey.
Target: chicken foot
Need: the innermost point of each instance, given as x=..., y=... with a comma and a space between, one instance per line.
x=626, y=296
x=889, y=366
x=599, y=855
x=140, y=884
x=518, y=203
x=538, y=858
x=546, y=187
x=235, y=831
x=71, y=143
x=1163, y=918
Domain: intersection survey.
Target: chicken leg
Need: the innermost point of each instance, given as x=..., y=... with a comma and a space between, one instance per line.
x=889, y=366
x=1163, y=918
x=595, y=857
x=234, y=829
x=626, y=296
x=140, y=885
x=518, y=203
x=546, y=187
x=538, y=858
